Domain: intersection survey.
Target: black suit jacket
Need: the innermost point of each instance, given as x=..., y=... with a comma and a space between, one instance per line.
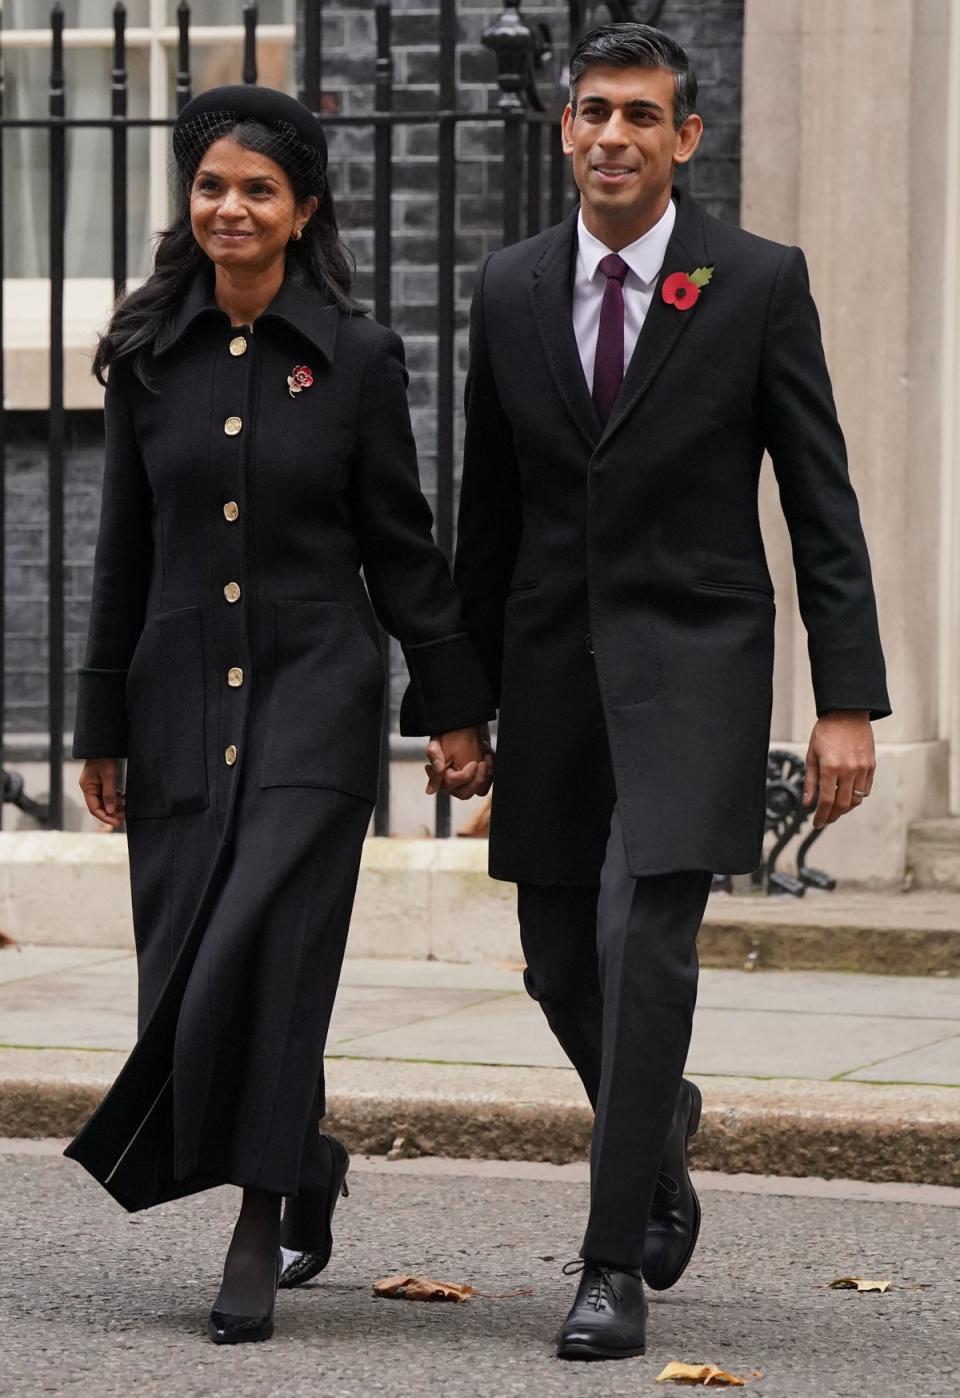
x=614, y=580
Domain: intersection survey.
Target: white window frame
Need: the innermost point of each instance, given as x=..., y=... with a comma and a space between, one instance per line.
x=27, y=300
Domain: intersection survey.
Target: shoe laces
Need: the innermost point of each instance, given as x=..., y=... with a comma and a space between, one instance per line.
x=601, y=1289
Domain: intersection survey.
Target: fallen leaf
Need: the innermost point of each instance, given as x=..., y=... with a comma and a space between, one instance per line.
x=412, y=1288
x=706, y=1374
x=406, y=1146
x=409, y=1287
x=857, y=1284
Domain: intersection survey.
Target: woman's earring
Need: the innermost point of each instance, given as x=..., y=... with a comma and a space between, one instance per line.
x=297, y=234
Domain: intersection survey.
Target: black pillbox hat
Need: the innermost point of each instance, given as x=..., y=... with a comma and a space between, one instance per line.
x=247, y=101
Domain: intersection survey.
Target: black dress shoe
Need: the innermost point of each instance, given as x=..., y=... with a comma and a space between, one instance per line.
x=300, y=1266
x=674, y=1223
x=225, y=1329
x=608, y=1320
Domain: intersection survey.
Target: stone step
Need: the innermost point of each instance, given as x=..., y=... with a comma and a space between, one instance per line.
x=431, y=900
x=903, y=934
x=933, y=853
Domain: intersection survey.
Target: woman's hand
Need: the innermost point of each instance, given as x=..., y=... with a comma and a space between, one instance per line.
x=460, y=762
x=98, y=782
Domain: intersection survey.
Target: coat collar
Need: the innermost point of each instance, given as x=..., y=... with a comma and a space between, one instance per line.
x=644, y=257
x=552, y=293
x=301, y=307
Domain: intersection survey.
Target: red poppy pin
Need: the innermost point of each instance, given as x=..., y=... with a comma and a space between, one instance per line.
x=300, y=378
x=683, y=291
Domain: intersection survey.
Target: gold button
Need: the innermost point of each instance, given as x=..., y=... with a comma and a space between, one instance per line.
x=238, y=345
x=232, y=426
x=230, y=755
x=232, y=592
x=231, y=510
x=234, y=677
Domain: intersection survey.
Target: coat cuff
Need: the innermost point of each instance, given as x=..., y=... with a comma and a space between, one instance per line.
x=843, y=683
x=101, y=725
x=447, y=689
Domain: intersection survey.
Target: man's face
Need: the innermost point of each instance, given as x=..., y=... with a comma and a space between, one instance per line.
x=623, y=141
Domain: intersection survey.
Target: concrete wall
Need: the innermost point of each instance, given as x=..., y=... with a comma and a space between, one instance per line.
x=845, y=105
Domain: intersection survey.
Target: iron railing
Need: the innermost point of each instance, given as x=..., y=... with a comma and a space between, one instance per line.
x=530, y=144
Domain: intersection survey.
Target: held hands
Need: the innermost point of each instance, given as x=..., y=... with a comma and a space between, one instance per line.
x=460, y=763
x=98, y=782
x=840, y=765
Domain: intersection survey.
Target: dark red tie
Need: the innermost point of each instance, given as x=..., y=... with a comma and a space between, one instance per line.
x=608, y=364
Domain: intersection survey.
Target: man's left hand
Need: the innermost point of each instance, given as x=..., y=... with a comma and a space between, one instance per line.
x=841, y=762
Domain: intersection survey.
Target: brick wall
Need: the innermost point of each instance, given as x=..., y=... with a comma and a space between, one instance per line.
x=26, y=571
x=711, y=30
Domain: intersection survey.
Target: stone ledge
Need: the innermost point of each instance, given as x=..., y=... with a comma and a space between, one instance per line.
x=785, y=1127
x=425, y=899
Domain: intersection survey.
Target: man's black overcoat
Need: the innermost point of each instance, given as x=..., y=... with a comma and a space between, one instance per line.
x=614, y=580
x=234, y=658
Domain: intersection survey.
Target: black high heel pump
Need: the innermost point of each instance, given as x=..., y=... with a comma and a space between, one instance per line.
x=300, y=1266
x=225, y=1329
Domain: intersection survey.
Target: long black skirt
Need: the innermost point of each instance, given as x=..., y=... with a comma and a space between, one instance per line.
x=240, y=941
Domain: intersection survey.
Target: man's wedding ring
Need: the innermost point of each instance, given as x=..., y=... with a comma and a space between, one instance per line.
x=859, y=793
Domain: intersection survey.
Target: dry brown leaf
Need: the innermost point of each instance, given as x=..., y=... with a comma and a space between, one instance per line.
x=406, y=1146
x=708, y=1375
x=857, y=1284
x=407, y=1287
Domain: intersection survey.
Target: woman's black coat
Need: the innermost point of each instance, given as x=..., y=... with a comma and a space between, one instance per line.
x=234, y=655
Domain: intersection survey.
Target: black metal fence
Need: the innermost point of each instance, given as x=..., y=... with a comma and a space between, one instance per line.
x=532, y=192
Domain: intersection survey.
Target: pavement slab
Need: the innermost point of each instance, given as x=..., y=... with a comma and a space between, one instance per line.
x=818, y=1025
x=98, y=1301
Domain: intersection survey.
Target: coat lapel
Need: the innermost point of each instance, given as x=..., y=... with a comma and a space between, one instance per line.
x=664, y=324
x=552, y=295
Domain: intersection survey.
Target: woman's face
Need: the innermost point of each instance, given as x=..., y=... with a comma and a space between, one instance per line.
x=242, y=208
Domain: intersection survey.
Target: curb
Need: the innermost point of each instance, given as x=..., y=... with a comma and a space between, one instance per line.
x=798, y=1128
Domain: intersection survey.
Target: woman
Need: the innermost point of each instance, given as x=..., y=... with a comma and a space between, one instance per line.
x=259, y=454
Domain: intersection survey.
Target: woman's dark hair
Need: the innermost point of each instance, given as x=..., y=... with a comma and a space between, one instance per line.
x=318, y=258
x=635, y=45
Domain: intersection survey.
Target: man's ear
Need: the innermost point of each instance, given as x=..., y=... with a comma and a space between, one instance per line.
x=566, y=128
x=688, y=138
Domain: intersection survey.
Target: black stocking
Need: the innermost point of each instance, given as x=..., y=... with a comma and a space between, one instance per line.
x=250, y=1271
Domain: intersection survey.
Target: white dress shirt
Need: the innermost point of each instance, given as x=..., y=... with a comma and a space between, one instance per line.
x=644, y=259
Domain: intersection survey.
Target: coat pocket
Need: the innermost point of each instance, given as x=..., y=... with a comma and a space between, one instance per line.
x=735, y=589
x=166, y=763
x=323, y=715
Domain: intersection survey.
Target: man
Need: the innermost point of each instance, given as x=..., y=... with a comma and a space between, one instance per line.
x=628, y=370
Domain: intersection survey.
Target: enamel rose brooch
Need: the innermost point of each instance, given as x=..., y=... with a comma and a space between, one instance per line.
x=299, y=378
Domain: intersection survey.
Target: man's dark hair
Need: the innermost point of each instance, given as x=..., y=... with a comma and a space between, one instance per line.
x=635, y=45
